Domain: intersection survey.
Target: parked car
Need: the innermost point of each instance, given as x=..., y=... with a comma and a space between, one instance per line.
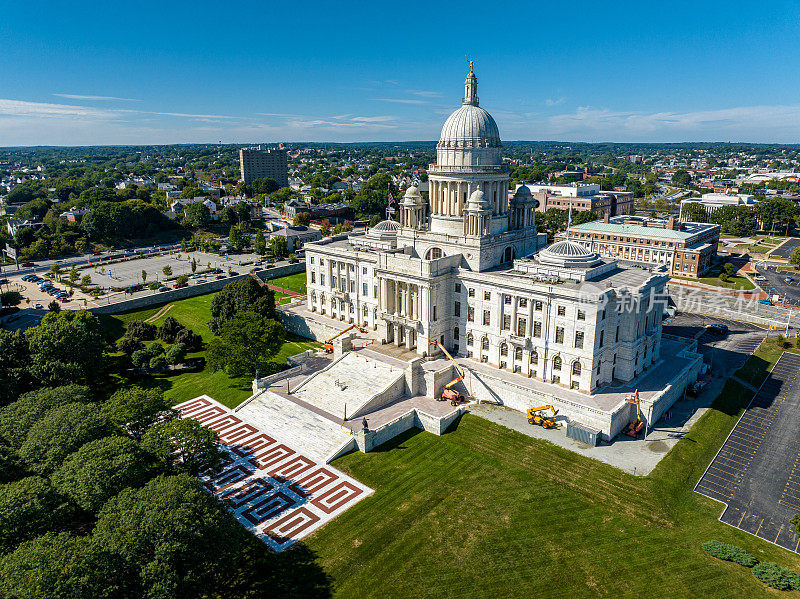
x=26, y=264
x=179, y=285
x=766, y=302
x=219, y=277
x=162, y=289
x=718, y=328
x=697, y=387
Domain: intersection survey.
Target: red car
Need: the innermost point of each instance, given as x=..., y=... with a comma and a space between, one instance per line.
x=179, y=285
x=27, y=264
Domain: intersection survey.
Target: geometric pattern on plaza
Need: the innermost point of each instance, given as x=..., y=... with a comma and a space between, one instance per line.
x=275, y=491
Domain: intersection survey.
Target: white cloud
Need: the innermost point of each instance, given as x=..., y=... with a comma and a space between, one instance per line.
x=47, y=110
x=83, y=97
x=554, y=101
x=424, y=93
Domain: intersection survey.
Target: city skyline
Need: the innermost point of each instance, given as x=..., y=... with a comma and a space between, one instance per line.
x=183, y=74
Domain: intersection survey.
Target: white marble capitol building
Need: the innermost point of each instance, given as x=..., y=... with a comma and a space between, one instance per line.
x=467, y=268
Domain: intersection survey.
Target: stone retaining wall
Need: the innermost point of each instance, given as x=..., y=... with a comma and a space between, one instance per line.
x=193, y=290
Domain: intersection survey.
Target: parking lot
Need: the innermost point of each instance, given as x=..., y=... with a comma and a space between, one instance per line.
x=776, y=283
x=756, y=473
x=725, y=354
x=786, y=249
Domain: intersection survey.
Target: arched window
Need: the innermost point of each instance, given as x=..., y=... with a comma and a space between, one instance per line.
x=484, y=343
x=503, y=349
x=470, y=339
x=534, y=357
x=576, y=368
x=508, y=254
x=313, y=296
x=518, y=353
x=557, y=363
x=434, y=254
x=455, y=334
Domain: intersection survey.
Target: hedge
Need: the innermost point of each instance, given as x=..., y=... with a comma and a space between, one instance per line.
x=730, y=553
x=773, y=575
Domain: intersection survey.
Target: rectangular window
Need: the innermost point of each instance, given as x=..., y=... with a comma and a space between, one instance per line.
x=455, y=334
x=556, y=379
x=517, y=368
x=503, y=365
x=313, y=277
x=537, y=329
x=434, y=312
x=522, y=326
x=458, y=287
x=581, y=315
x=562, y=311
x=486, y=317
x=312, y=259
x=366, y=289
x=321, y=279
x=559, y=334
x=334, y=282
x=487, y=295
x=579, y=339
x=600, y=344
x=457, y=309
x=538, y=306
x=616, y=337
x=523, y=303
x=506, y=322
x=375, y=291
x=507, y=300
x=471, y=292
x=573, y=385
x=352, y=286
x=471, y=314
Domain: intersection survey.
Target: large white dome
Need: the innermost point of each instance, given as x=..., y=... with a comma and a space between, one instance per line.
x=470, y=126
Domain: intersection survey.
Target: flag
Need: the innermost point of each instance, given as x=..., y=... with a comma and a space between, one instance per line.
x=391, y=198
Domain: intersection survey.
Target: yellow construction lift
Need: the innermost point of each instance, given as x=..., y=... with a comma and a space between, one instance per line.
x=447, y=393
x=537, y=416
x=328, y=345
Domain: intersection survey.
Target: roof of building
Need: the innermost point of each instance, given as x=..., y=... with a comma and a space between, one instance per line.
x=386, y=225
x=636, y=230
x=470, y=123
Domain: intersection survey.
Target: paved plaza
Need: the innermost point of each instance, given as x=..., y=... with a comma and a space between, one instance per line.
x=273, y=488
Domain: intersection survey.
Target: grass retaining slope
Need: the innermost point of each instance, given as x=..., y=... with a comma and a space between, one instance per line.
x=485, y=511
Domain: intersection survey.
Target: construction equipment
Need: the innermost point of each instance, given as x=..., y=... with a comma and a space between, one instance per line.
x=328, y=345
x=452, y=395
x=537, y=416
x=634, y=428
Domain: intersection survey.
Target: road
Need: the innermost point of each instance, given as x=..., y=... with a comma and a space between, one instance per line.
x=777, y=284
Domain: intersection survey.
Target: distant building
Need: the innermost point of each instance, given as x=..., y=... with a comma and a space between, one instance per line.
x=296, y=236
x=255, y=163
x=74, y=215
x=582, y=197
x=15, y=224
x=714, y=201
x=687, y=249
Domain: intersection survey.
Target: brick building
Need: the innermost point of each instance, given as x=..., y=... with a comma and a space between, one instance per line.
x=582, y=197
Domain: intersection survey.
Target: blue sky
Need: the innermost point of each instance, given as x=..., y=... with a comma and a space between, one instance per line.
x=74, y=73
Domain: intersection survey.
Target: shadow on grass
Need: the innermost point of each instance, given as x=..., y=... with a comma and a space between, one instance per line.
x=397, y=442
x=293, y=573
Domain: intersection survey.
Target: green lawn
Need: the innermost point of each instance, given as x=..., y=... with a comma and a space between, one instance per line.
x=195, y=313
x=295, y=282
x=734, y=282
x=484, y=511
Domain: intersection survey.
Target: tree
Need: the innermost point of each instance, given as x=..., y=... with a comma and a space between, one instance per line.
x=144, y=275
x=260, y=243
x=245, y=343
x=237, y=240
x=138, y=329
x=100, y=469
x=729, y=269
x=277, y=246
x=129, y=345
x=193, y=265
x=60, y=432
x=28, y=507
x=73, y=275
x=793, y=259
x=64, y=566
x=169, y=329
x=240, y=296
x=11, y=466
x=66, y=347
x=776, y=211
x=167, y=270
x=302, y=219
x=182, y=279
x=735, y=220
x=17, y=418
x=175, y=354
x=176, y=535
x=694, y=212
x=54, y=306
x=185, y=444
x=325, y=229
x=264, y=186
x=55, y=270
x=682, y=178
x=14, y=361
x=137, y=409
x=86, y=280
x=197, y=214
x=189, y=339
x=157, y=363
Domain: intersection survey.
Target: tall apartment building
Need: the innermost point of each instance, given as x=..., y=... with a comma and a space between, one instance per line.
x=255, y=163
x=687, y=249
x=582, y=197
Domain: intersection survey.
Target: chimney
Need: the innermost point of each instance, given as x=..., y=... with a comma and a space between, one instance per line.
x=671, y=223
x=606, y=218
